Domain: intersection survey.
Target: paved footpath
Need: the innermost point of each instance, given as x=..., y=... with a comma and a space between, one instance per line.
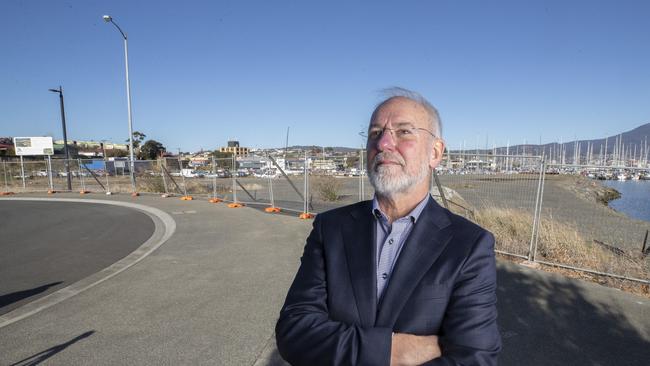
x=211, y=293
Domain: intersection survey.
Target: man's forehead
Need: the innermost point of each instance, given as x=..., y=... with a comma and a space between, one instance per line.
x=399, y=111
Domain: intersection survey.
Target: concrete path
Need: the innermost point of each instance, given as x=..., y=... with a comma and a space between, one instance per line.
x=211, y=293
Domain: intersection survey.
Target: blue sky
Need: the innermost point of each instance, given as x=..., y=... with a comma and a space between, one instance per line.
x=203, y=72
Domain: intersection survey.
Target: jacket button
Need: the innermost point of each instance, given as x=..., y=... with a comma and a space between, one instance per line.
x=384, y=275
x=390, y=241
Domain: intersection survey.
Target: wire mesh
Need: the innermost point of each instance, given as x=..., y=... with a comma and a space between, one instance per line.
x=579, y=229
x=548, y=213
x=497, y=192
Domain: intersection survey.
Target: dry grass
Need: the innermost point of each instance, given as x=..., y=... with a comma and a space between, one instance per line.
x=151, y=184
x=328, y=187
x=563, y=244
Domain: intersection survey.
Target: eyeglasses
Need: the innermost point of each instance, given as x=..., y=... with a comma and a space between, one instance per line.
x=405, y=133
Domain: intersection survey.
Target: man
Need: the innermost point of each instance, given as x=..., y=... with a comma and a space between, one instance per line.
x=397, y=280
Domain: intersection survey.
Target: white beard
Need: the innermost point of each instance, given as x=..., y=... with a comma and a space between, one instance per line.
x=391, y=179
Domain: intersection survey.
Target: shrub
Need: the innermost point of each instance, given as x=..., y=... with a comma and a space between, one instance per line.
x=327, y=187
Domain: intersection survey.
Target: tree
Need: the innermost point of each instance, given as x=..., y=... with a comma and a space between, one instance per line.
x=138, y=137
x=9, y=151
x=116, y=153
x=151, y=150
x=352, y=162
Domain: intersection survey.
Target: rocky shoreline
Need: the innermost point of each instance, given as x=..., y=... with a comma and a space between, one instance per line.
x=591, y=190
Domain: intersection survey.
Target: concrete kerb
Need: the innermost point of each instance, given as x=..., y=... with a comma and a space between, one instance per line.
x=164, y=227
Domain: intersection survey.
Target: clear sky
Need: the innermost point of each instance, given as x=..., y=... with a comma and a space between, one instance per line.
x=203, y=72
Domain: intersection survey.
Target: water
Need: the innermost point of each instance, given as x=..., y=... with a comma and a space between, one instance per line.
x=635, y=198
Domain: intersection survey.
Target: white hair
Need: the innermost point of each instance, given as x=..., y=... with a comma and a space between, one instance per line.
x=389, y=94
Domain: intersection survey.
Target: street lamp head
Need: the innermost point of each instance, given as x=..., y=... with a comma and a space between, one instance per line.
x=55, y=90
x=107, y=18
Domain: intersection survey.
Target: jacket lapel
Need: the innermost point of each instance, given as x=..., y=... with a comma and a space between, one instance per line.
x=358, y=237
x=424, y=245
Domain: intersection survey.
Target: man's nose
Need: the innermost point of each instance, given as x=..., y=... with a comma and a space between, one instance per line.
x=386, y=140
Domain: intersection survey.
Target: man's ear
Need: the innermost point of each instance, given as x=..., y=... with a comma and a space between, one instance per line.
x=438, y=151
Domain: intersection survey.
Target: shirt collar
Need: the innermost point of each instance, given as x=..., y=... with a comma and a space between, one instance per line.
x=413, y=215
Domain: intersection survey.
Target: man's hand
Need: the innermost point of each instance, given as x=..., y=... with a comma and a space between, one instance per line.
x=409, y=349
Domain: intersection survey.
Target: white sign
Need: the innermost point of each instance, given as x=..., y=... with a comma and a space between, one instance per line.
x=34, y=145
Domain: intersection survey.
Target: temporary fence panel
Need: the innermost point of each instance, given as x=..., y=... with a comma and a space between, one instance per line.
x=499, y=193
x=148, y=177
x=270, y=182
x=59, y=169
x=207, y=179
x=577, y=229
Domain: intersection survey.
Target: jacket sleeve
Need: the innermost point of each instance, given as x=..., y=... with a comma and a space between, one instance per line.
x=305, y=333
x=469, y=334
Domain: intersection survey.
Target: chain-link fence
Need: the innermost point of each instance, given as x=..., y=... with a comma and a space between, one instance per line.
x=578, y=230
x=545, y=213
x=498, y=192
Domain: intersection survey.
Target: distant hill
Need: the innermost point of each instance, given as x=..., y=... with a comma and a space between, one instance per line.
x=340, y=149
x=635, y=137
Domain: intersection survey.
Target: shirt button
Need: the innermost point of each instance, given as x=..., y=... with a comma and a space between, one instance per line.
x=384, y=275
x=390, y=241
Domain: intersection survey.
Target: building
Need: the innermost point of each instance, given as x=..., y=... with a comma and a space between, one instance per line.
x=203, y=158
x=234, y=148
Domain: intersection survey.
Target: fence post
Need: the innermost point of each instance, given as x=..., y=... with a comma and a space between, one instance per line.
x=541, y=202
x=180, y=167
x=536, y=217
x=305, y=214
x=214, y=178
x=234, y=179
x=440, y=190
x=162, y=173
x=49, y=172
x=531, y=256
x=22, y=171
x=272, y=200
x=81, y=176
x=4, y=165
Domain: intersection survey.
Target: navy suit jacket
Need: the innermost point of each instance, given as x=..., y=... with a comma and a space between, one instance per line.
x=444, y=283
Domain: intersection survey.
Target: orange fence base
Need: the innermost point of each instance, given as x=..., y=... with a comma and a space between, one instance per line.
x=215, y=200
x=135, y=194
x=235, y=205
x=6, y=193
x=84, y=192
x=272, y=209
x=306, y=216
x=187, y=198
x=51, y=191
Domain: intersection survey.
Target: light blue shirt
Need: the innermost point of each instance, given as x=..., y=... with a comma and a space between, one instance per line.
x=389, y=240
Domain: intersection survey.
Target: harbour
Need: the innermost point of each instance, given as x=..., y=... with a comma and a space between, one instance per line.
x=635, y=198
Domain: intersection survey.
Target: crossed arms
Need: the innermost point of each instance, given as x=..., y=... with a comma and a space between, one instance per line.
x=307, y=333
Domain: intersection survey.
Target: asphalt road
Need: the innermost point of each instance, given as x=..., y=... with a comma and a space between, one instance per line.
x=46, y=246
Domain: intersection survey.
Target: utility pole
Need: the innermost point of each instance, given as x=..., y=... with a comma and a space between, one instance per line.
x=65, y=137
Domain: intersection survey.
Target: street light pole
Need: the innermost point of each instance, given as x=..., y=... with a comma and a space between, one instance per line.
x=109, y=19
x=65, y=137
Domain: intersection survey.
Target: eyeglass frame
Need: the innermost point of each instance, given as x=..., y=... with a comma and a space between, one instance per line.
x=393, y=132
